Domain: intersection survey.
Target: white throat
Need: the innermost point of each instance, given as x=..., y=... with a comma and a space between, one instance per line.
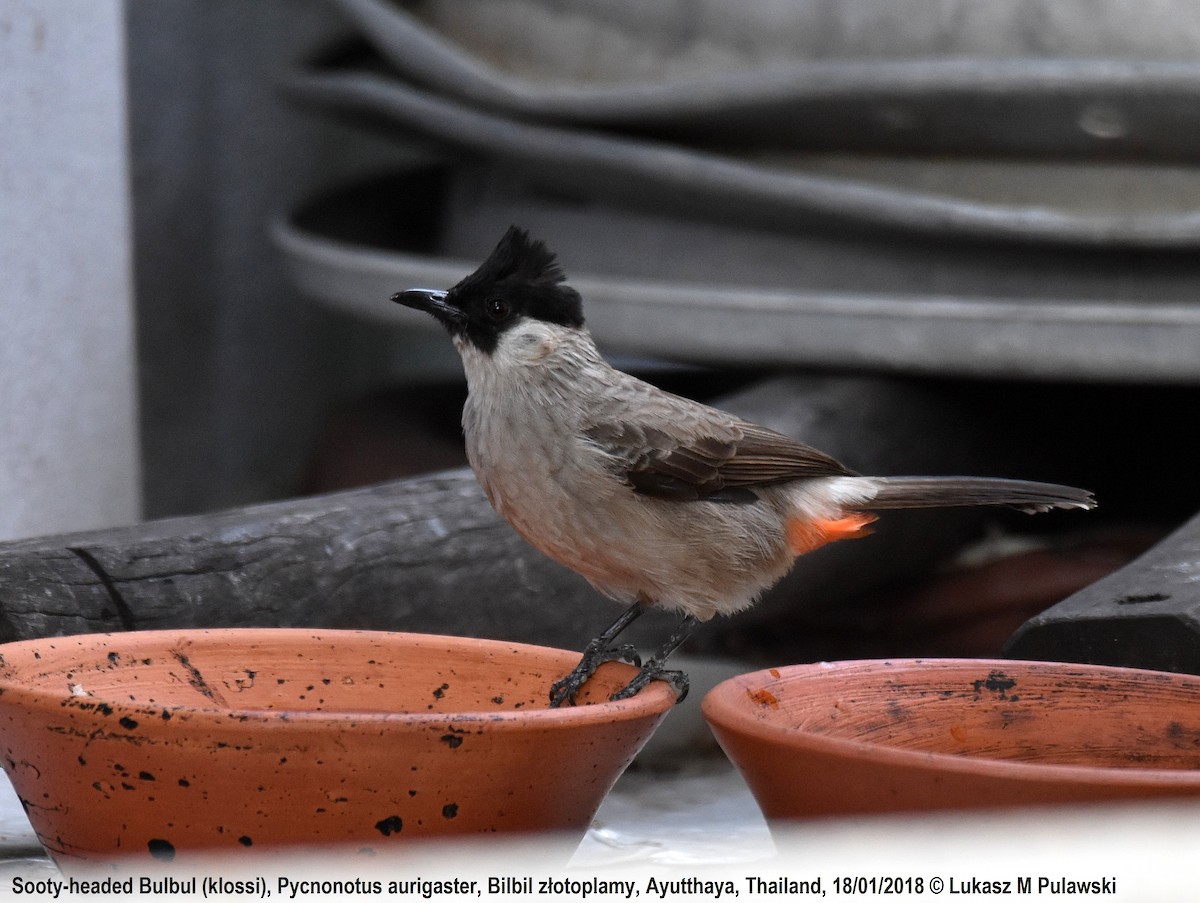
x=530, y=352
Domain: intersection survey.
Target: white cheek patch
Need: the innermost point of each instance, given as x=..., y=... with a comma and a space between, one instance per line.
x=527, y=342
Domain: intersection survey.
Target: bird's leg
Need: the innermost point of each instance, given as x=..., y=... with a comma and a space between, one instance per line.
x=598, y=651
x=654, y=670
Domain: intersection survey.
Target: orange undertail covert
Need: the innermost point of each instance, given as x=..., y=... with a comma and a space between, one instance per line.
x=806, y=535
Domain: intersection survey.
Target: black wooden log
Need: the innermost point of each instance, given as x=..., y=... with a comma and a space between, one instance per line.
x=430, y=555
x=414, y=554
x=427, y=554
x=1145, y=615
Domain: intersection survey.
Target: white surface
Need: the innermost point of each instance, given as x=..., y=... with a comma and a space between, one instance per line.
x=68, y=426
x=705, y=817
x=15, y=832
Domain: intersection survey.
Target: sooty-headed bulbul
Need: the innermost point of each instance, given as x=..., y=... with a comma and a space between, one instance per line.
x=656, y=499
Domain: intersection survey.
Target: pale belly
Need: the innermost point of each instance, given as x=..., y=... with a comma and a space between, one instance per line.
x=698, y=558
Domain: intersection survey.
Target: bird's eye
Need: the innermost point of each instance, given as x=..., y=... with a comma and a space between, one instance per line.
x=497, y=309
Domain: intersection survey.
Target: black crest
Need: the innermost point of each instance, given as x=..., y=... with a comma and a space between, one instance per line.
x=516, y=260
x=520, y=278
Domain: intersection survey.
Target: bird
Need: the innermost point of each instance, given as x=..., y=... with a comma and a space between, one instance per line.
x=659, y=501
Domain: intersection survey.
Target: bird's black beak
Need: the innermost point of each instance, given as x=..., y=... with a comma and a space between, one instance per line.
x=432, y=302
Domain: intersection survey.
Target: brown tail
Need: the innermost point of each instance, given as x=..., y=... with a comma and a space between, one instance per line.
x=950, y=492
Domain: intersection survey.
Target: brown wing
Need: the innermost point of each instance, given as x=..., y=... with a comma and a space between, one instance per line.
x=673, y=448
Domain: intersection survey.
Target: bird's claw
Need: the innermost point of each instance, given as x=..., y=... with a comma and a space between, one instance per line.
x=626, y=653
x=564, y=690
x=652, y=670
x=601, y=650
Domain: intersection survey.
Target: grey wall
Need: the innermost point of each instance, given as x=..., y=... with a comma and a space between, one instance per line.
x=68, y=415
x=237, y=371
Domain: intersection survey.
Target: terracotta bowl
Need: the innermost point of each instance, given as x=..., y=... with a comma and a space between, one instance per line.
x=909, y=735
x=152, y=743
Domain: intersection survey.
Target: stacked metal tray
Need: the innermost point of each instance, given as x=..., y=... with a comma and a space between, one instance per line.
x=999, y=216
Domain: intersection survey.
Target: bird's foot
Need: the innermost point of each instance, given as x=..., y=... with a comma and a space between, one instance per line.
x=595, y=655
x=654, y=670
x=626, y=653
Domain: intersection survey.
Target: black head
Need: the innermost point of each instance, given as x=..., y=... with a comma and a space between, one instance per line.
x=520, y=279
